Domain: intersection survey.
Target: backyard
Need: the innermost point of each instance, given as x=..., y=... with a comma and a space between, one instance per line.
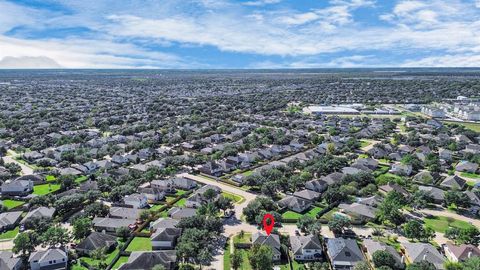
x=290, y=215
x=140, y=244
x=45, y=189
x=12, y=203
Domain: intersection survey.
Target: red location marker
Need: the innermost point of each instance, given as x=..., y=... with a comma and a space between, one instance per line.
x=268, y=218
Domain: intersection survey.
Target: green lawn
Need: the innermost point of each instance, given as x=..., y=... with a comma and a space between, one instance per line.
x=441, y=224
x=78, y=267
x=156, y=207
x=181, y=202
x=247, y=173
x=363, y=156
x=180, y=192
x=12, y=203
x=81, y=179
x=472, y=126
x=245, y=263
x=236, y=198
x=364, y=143
x=45, y=189
x=296, y=265
x=140, y=244
x=226, y=256
x=388, y=177
x=9, y=234
x=329, y=215
x=108, y=260
x=470, y=175
x=170, y=198
x=50, y=178
x=293, y=215
x=245, y=239
x=121, y=260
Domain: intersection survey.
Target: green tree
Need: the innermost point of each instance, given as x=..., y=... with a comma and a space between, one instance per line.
x=472, y=263
x=224, y=203
x=56, y=236
x=236, y=259
x=261, y=257
x=453, y=266
x=361, y=266
x=422, y=265
x=100, y=255
x=81, y=228
x=25, y=243
x=383, y=258
x=158, y=267
x=123, y=233
x=413, y=229
x=338, y=224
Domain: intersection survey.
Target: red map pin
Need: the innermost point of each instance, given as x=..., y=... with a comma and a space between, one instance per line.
x=268, y=227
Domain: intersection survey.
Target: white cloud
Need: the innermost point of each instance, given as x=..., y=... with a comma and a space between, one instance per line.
x=462, y=60
x=261, y=2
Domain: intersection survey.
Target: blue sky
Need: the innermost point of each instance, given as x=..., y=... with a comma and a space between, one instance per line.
x=240, y=33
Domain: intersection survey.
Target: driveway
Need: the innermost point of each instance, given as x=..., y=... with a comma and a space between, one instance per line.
x=10, y=159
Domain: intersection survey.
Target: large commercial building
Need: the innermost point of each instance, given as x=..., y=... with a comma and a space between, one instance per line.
x=330, y=110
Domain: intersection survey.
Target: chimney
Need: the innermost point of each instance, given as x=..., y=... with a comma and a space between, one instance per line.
x=424, y=256
x=469, y=254
x=403, y=259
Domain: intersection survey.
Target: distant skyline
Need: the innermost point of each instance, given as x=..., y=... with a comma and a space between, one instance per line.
x=213, y=34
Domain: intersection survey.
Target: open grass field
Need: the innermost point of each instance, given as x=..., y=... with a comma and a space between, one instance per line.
x=441, y=224
x=472, y=126
x=12, y=203
x=140, y=244
x=9, y=234
x=121, y=260
x=45, y=189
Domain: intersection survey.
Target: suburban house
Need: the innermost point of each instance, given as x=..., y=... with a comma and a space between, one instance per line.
x=163, y=223
x=454, y=182
x=96, y=240
x=124, y=212
x=460, y=253
x=401, y=169
x=307, y=194
x=295, y=204
x=272, y=240
x=466, y=166
x=136, y=200
x=165, y=238
x=359, y=212
x=198, y=198
x=306, y=248
x=316, y=185
x=110, y=225
x=179, y=213
x=152, y=194
x=149, y=259
x=9, y=220
x=40, y=212
x=8, y=261
x=371, y=246
x=393, y=187
x=17, y=188
x=416, y=252
x=343, y=253
x=48, y=259
x=437, y=194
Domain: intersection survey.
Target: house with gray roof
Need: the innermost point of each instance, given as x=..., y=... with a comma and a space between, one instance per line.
x=96, y=240
x=454, y=182
x=401, y=169
x=417, y=252
x=165, y=238
x=306, y=248
x=358, y=211
x=110, y=225
x=316, y=185
x=136, y=200
x=124, y=212
x=179, y=213
x=460, y=253
x=8, y=261
x=437, y=194
x=307, y=194
x=343, y=253
x=40, y=212
x=466, y=166
x=163, y=223
x=295, y=204
x=8, y=220
x=272, y=240
x=49, y=259
x=148, y=259
x=17, y=188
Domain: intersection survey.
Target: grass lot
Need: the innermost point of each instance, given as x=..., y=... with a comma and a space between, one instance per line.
x=50, y=178
x=363, y=156
x=329, y=215
x=245, y=264
x=236, y=198
x=441, y=224
x=181, y=202
x=78, y=267
x=170, y=198
x=156, y=207
x=45, y=189
x=180, y=192
x=472, y=126
x=226, y=256
x=470, y=175
x=364, y=143
x=9, y=234
x=108, y=260
x=81, y=179
x=121, y=260
x=293, y=215
x=247, y=173
x=296, y=265
x=163, y=214
x=140, y=244
x=245, y=239
x=12, y=203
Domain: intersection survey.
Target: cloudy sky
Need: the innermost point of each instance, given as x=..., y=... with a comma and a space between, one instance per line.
x=239, y=34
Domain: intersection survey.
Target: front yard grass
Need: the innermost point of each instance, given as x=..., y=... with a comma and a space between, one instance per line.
x=12, y=203
x=181, y=202
x=45, y=189
x=236, y=198
x=50, y=178
x=140, y=244
x=441, y=224
x=121, y=260
x=108, y=260
x=242, y=240
x=9, y=234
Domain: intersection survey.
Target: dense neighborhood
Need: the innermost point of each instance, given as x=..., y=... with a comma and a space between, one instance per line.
x=176, y=170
